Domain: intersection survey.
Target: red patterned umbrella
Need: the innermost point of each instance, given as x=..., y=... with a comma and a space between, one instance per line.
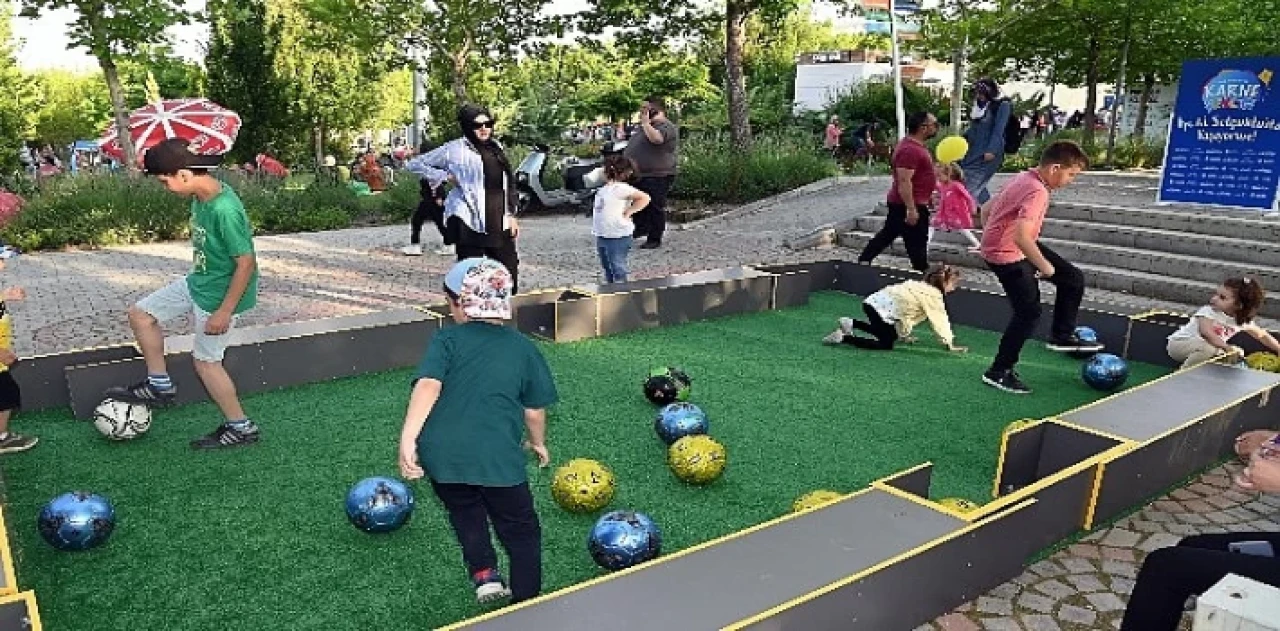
x=210, y=127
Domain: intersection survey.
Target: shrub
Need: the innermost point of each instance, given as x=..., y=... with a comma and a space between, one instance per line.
x=778, y=162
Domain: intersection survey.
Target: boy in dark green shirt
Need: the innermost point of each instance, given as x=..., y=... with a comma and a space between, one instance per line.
x=222, y=284
x=481, y=386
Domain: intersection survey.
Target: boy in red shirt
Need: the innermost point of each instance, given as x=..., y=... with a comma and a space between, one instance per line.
x=1011, y=224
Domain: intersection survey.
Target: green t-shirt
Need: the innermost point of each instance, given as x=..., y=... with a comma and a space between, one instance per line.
x=220, y=232
x=490, y=375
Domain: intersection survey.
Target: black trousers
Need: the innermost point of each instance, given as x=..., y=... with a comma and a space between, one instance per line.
x=429, y=209
x=504, y=253
x=885, y=334
x=1170, y=575
x=652, y=221
x=915, y=238
x=1022, y=288
x=471, y=509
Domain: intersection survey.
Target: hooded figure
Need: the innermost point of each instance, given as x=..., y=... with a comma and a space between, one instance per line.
x=480, y=210
x=985, y=134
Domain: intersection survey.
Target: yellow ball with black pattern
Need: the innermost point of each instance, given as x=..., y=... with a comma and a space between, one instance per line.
x=814, y=499
x=1260, y=360
x=959, y=504
x=697, y=459
x=582, y=486
x=1017, y=425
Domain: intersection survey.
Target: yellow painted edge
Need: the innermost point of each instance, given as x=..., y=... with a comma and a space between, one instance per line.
x=1091, y=511
x=822, y=591
x=6, y=554
x=904, y=472
x=1217, y=410
x=1095, y=432
x=662, y=559
x=922, y=501
x=33, y=610
x=1004, y=446
x=1005, y=501
x=1122, y=392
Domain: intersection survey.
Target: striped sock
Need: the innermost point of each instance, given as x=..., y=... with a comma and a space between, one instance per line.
x=160, y=382
x=244, y=426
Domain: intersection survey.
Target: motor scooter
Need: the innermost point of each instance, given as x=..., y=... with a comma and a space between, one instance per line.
x=582, y=178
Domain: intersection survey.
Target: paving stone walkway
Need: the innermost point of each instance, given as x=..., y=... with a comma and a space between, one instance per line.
x=78, y=299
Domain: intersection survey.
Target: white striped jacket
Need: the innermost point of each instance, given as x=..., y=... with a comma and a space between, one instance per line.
x=466, y=201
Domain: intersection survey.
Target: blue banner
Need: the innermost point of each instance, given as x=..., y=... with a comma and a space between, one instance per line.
x=1224, y=138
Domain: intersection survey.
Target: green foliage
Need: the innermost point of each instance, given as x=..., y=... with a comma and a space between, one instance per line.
x=16, y=97
x=93, y=211
x=875, y=101
x=778, y=161
x=71, y=106
x=175, y=77
x=1130, y=153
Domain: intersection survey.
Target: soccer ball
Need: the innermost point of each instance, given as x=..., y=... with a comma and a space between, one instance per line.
x=582, y=486
x=678, y=420
x=622, y=539
x=379, y=504
x=814, y=499
x=697, y=459
x=118, y=420
x=77, y=521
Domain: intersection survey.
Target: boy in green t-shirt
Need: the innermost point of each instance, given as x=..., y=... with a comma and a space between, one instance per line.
x=222, y=284
x=10, y=393
x=479, y=388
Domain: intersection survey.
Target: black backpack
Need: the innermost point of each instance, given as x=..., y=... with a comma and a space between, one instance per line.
x=1012, y=129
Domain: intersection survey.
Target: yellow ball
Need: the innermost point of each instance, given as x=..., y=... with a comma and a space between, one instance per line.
x=958, y=504
x=1017, y=425
x=1260, y=360
x=697, y=459
x=951, y=149
x=582, y=486
x=814, y=499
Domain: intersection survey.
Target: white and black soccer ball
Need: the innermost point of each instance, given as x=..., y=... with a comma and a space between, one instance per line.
x=118, y=420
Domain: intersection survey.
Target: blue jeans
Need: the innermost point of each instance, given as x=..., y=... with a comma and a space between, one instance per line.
x=613, y=257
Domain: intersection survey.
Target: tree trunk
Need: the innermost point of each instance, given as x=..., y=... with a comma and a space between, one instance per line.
x=957, y=91
x=459, y=59
x=735, y=38
x=1091, y=95
x=319, y=141
x=1140, y=119
x=119, y=111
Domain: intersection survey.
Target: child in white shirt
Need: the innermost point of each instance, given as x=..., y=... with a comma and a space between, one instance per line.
x=611, y=221
x=1230, y=311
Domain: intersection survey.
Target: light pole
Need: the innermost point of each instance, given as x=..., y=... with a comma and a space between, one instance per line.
x=897, y=70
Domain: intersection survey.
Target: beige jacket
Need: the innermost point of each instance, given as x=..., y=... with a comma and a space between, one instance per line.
x=916, y=302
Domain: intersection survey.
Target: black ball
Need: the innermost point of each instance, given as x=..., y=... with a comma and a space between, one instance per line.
x=661, y=390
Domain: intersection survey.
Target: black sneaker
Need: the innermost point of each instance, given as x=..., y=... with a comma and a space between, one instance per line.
x=1006, y=380
x=13, y=443
x=1073, y=344
x=142, y=393
x=651, y=245
x=226, y=436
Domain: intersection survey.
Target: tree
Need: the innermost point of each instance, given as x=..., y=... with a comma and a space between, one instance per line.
x=71, y=107
x=174, y=76
x=16, y=98
x=448, y=34
x=112, y=30
x=241, y=66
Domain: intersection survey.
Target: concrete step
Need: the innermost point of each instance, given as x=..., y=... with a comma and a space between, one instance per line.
x=1099, y=244
x=950, y=248
x=1248, y=251
x=1209, y=223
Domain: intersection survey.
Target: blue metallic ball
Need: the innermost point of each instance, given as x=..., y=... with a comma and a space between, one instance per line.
x=678, y=420
x=379, y=504
x=622, y=539
x=1105, y=371
x=77, y=521
x=1085, y=334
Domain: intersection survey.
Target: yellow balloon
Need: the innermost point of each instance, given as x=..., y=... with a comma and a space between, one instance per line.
x=951, y=149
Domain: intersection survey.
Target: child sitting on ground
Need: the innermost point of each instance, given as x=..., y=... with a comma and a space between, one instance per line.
x=955, y=205
x=1230, y=311
x=895, y=310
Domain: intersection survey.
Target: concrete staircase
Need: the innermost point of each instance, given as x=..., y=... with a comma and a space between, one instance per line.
x=1175, y=255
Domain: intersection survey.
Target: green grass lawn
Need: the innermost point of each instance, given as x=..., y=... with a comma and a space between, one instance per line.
x=257, y=538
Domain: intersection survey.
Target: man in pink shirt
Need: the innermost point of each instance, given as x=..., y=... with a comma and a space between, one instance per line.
x=914, y=182
x=1011, y=224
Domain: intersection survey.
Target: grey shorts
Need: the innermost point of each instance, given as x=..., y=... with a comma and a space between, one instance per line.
x=173, y=301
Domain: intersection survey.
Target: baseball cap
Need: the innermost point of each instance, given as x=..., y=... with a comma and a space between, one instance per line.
x=483, y=288
x=175, y=154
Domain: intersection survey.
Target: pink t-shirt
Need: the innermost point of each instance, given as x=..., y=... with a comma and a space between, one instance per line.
x=833, y=136
x=1025, y=197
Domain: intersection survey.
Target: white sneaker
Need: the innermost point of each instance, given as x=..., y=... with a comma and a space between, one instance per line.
x=846, y=326
x=835, y=337
x=412, y=250
x=491, y=592
x=445, y=250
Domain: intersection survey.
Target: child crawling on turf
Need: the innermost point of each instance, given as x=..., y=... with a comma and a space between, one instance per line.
x=895, y=310
x=1230, y=311
x=481, y=386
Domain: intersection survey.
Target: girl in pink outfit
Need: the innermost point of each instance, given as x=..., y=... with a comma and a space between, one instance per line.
x=955, y=205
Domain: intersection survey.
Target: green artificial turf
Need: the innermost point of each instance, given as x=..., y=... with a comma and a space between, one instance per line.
x=257, y=538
